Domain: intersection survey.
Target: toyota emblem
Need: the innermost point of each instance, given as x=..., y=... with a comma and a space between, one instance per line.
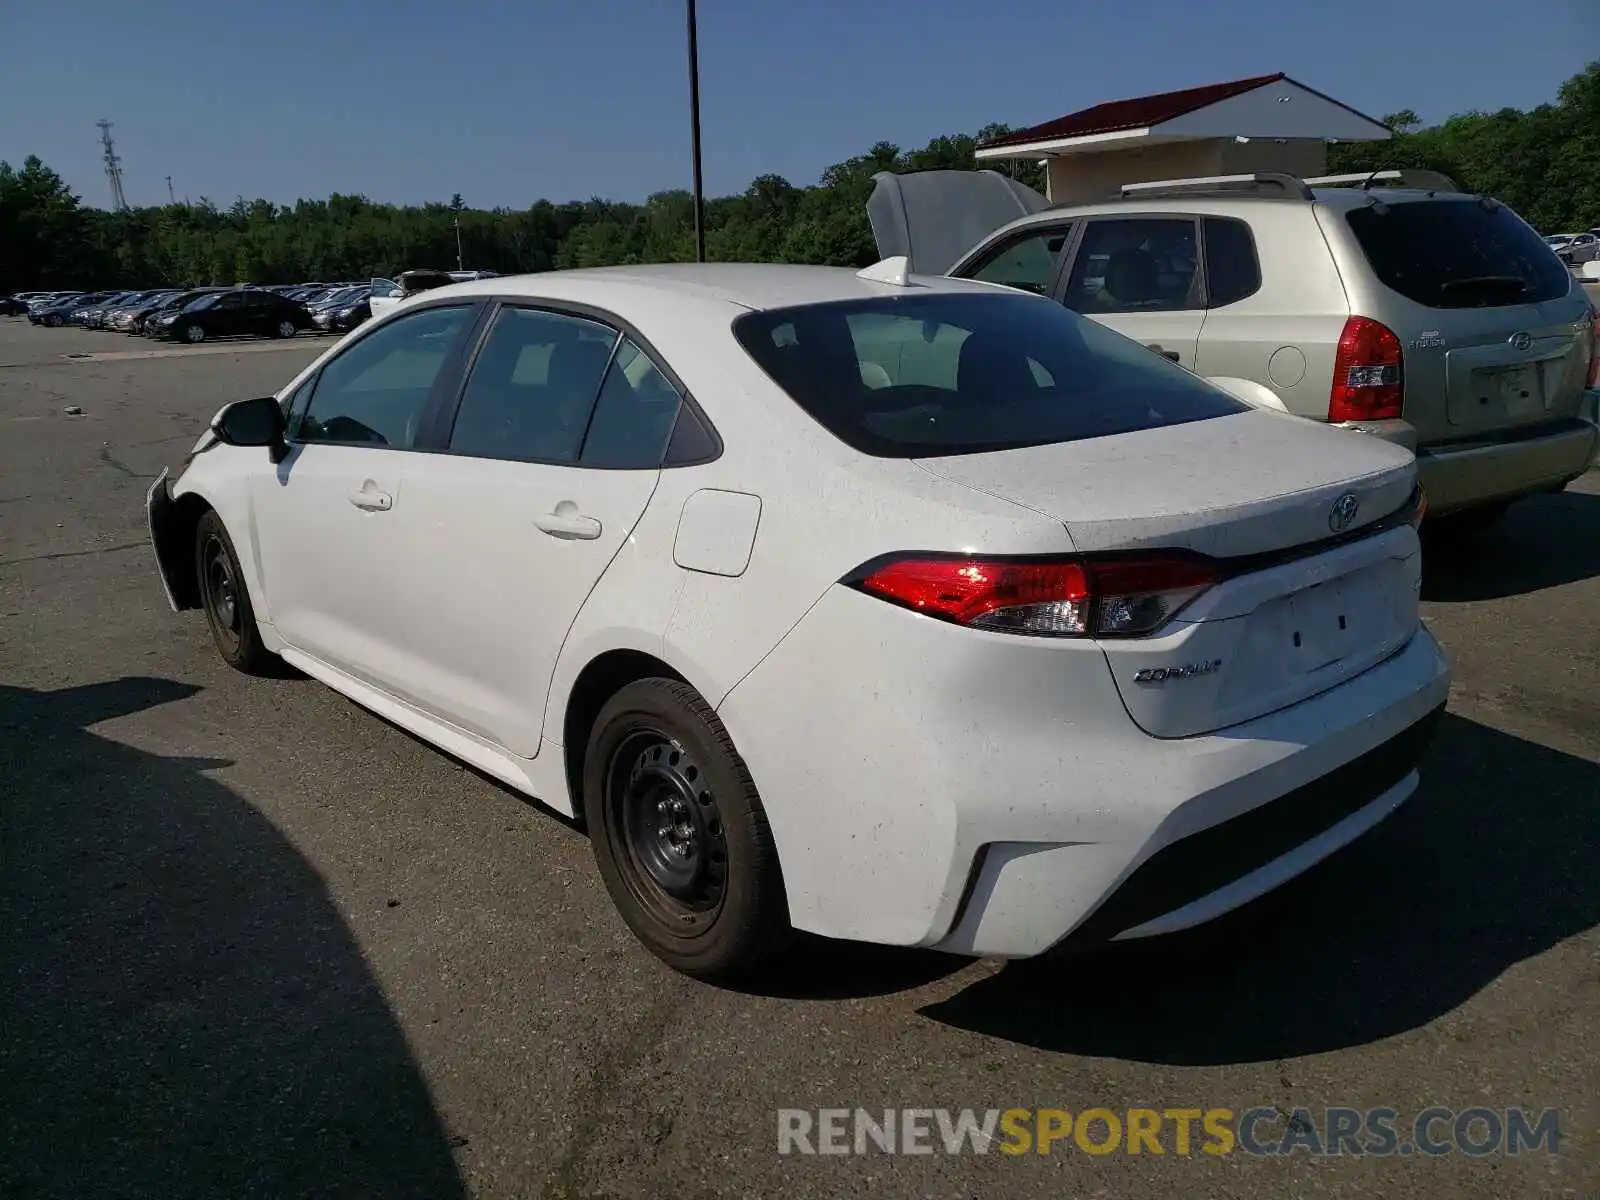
x=1521, y=341
x=1343, y=512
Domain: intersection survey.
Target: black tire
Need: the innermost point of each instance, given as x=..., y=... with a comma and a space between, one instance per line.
x=285, y=329
x=52, y=322
x=194, y=334
x=226, y=600
x=679, y=832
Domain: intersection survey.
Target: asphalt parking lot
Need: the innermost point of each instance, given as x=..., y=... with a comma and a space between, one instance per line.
x=255, y=941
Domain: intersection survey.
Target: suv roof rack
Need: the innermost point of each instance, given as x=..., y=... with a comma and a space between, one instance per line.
x=1426, y=181
x=1275, y=182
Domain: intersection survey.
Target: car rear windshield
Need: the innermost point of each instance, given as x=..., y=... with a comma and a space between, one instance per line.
x=963, y=373
x=1458, y=254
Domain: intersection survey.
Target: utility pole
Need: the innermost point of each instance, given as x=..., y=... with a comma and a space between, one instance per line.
x=119, y=202
x=459, y=267
x=171, y=196
x=694, y=123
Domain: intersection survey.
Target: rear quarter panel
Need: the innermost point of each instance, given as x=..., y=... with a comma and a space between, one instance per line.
x=1284, y=335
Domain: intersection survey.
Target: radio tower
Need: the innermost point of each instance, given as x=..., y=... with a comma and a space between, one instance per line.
x=119, y=202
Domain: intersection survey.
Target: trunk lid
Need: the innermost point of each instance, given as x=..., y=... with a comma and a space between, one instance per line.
x=933, y=218
x=1283, y=624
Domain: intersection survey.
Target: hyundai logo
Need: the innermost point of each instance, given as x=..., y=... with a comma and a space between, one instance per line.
x=1521, y=341
x=1343, y=512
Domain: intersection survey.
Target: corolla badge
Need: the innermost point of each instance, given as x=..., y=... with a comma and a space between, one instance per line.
x=1186, y=671
x=1343, y=512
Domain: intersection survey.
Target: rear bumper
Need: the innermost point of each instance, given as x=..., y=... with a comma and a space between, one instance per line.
x=930, y=785
x=1463, y=475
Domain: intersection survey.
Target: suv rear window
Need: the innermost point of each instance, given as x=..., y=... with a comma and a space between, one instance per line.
x=1458, y=254
x=964, y=373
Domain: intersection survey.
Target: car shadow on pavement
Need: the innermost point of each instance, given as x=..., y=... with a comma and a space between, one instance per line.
x=1542, y=542
x=818, y=968
x=1491, y=863
x=182, y=1010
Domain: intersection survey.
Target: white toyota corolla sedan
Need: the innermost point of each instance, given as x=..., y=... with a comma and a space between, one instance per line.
x=910, y=610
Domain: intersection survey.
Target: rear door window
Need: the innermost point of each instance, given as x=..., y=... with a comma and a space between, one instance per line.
x=533, y=387
x=1458, y=254
x=967, y=372
x=1232, y=269
x=1135, y=264
x=634, y=415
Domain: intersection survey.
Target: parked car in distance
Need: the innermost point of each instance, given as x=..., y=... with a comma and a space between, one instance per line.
x=344, y=311
x=1404, y=309
x=13, y=306
x=1575, y=249
x=386, y=294
x=231, y=313
x=58, y=312
x=97, y=316
x=1115, y=652
x=142, y=317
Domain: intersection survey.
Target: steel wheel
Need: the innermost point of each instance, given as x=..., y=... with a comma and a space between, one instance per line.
x=219, y=588
x=673, y=847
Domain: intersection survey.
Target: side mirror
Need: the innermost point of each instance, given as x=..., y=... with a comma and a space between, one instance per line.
x=257, y=422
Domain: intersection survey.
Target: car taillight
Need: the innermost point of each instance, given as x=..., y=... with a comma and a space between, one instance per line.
x=1594, y=352
x=1368, y=373
x=1080, y=597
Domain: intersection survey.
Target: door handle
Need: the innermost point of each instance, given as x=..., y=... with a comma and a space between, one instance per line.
x=568, y=526
x=372, y=501
x=1172, y=354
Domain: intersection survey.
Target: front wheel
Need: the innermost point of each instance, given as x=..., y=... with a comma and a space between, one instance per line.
x=53, y=321
x=193, y=333
x=226, y=600
x=679, y=832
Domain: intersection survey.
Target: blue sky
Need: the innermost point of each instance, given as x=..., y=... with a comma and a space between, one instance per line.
x=506, y=101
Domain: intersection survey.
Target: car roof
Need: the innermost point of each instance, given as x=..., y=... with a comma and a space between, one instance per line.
x=753, y=286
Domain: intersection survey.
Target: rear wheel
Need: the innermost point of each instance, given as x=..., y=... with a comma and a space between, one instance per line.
x=679, y=833
x=226, y=600
x=286, y=328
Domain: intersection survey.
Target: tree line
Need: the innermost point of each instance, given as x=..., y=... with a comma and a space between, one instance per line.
x=1544, y=163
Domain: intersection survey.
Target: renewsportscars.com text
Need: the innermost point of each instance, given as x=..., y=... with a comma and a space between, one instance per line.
x=1263, y=1130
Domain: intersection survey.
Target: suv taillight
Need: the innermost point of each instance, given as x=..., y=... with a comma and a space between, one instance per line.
x=1594, y=351
x=1368, y=373
x=1078, y=597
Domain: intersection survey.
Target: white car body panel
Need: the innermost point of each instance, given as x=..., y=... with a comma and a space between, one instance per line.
x=511, y=588
x=890, y=748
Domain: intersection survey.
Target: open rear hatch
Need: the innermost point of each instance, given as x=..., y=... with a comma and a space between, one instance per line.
x=932, y=218
x=1316, y=566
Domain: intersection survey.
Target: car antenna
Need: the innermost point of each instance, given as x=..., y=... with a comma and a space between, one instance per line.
x=895, y=271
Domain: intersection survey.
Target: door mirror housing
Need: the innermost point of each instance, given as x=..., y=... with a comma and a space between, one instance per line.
x=257, y=422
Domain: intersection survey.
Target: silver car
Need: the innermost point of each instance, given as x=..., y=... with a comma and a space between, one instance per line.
x=1411, y=311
